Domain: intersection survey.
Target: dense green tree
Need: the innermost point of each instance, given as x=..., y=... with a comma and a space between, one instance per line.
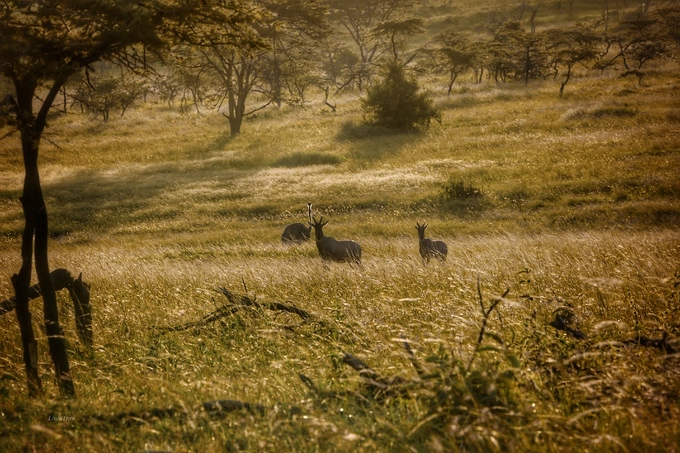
x=396, y=102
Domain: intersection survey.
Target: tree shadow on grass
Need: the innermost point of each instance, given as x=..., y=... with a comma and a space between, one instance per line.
x=372, y=143
x=304, y=159
x=106, y=201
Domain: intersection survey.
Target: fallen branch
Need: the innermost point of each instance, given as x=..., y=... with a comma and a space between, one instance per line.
x=239, y=299
x=318, y=392
x=412, y=356
x=238, y=302
x=565, y=318
x=660, y=343
x=375, y=384
x=61, y=278
x=221, y=312
x=223, y=406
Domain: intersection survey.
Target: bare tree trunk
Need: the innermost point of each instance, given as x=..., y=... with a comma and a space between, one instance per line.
x=28, y=342
x=37, y=229
x=36, y=235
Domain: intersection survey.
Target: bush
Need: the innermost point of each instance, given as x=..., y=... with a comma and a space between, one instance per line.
x=460, y=198
x=457, y=190
x=396, y=102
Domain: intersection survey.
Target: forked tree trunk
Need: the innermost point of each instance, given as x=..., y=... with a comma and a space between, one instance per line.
x=36, y=235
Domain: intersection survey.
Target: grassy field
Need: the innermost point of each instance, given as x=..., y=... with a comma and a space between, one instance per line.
x=574, y=211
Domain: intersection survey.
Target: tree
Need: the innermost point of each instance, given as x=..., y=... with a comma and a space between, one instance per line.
x=295, y=40
x=517, y=54
x=571, y=47
x=453, y=54
x=371, y=25
x=108, y=91
x=396, y=102
x=43, y=44
x=639, y=41
x=269, y=55
x=239, y=68
x=397, y=31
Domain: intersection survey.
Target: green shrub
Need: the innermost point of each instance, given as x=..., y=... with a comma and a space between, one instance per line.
x=396, y=102
x=457, y=190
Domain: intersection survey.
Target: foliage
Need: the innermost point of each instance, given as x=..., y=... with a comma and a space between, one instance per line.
x=454, y=54
x=375, y=29
x=100, y=95
x=396, y=102
x=457, y=190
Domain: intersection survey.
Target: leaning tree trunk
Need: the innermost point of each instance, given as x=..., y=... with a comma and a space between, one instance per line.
x=35, y=235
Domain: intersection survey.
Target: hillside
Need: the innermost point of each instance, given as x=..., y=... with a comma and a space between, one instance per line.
x=552, y=326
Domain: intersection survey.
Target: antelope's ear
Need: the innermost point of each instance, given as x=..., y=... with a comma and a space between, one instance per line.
x=80, y=277
x=324, y=223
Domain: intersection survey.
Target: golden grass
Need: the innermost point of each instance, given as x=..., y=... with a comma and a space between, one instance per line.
x=141, y=285
x=579, y=210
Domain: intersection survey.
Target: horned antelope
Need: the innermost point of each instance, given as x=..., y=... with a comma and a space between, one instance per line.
x=296, y=233
x=334, y=250
x=429, y=248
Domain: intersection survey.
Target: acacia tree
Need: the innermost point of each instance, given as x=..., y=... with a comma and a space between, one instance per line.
x=517, y=54
x=453, y=54
x=270, y=56
x=397, y=31
x=43, y=43
x=374, y=27
x=571, y=47
x=294, y=38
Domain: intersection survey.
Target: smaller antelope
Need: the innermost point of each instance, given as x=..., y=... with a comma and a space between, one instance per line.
x=429, y=248
x=333, y=250
x=296, y=233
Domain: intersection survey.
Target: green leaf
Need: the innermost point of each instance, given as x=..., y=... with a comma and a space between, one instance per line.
x=495, y=337
x=489, y=348
x=514, y=361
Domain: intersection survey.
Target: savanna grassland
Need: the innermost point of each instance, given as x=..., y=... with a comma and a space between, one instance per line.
x=550, y=206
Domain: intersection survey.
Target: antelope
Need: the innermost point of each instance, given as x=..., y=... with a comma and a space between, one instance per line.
x=333, y=250
x=429, y=248
x=296, y=233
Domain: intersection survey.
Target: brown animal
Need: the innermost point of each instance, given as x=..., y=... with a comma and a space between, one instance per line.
x=333, y=250
x=429, y=248
x=296, y=233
